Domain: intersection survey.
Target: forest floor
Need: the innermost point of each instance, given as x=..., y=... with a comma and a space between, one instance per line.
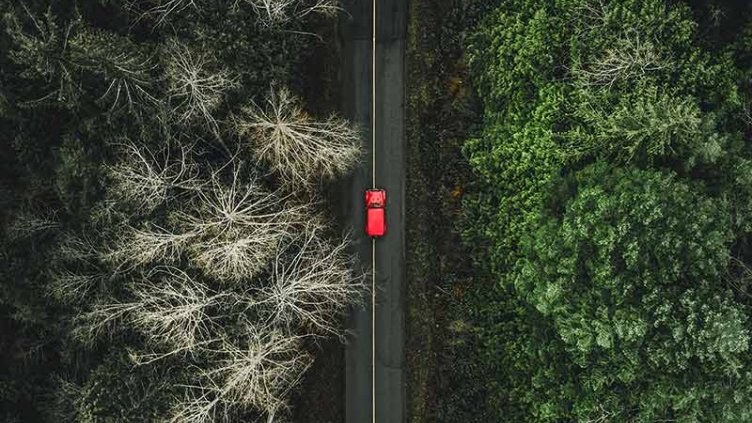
x=440, y=113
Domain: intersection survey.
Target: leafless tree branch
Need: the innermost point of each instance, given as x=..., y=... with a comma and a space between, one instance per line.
x=299, y=148
x=313, y=287
x=260, y=373
x=629, y=58
x=239, y=225
x=278, y=12
x=144, y=178
x=195, y=90
x=137, y=247
x=174, y=309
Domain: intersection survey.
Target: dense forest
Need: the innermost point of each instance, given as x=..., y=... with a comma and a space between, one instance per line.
x=165, y=254
x=611, y=212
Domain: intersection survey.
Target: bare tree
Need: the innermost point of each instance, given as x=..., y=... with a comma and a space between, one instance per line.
x=71, y=287
x=260, y=373
x=168, y=306
x=257, y=373
x=229, y=229
x=294, y=145
x=270, y=12
x=311, y=284
x=162, y=9
x=174, y=309
x=77, y=271
x=195, y=89
x=144, y=178
x=217, y=226
x=241, y=202
x=277, y=12
x=199, y=404
x=237, y=258
x=590, y=12
x=103, y=319
x=138, y=247
x=39, y=50
x=239, y=226
x=630, y=57
x=128, y=74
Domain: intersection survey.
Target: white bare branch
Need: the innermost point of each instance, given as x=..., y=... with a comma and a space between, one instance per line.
x=162, y=9
x=270, y=13
x=311, y=284
x=75, y=248
x=258, y=375
x=78, y=270
x=239, y=226
x=630, y=57
x=27, y=223
x=228, y=206
x=278, y=12
x=198, y=405
x=590, y=12
x=168, y=306
x=145, y=178
x=261, y=373
x=294, y=145
x=174, y=309
x=72, y=287
x=223, y=225
x=138, y=247
x=238, y=258
x=127, y=74
x=195, y=90
x=101, y=321
x=39, y=40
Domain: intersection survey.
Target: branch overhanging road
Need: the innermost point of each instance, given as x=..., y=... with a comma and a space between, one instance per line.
x=375, y=388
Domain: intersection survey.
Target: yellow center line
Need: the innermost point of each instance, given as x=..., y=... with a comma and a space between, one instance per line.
x=373, y=100
x=373, y=241
x=373, y=330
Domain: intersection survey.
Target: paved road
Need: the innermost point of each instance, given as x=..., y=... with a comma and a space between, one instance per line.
x=390, y=171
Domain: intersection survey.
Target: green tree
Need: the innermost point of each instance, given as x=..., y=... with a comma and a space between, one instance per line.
x=611, y=214
x=632, y=277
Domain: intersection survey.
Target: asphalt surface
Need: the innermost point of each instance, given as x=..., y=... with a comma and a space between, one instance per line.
x=390, y=175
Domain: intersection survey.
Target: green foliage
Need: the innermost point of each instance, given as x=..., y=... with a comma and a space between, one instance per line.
x=516, y=52
x=644, y=127
x=609, y=210
x=631, y=277
x=517, y=161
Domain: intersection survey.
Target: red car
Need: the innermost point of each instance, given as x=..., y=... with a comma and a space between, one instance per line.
x=375, y=212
